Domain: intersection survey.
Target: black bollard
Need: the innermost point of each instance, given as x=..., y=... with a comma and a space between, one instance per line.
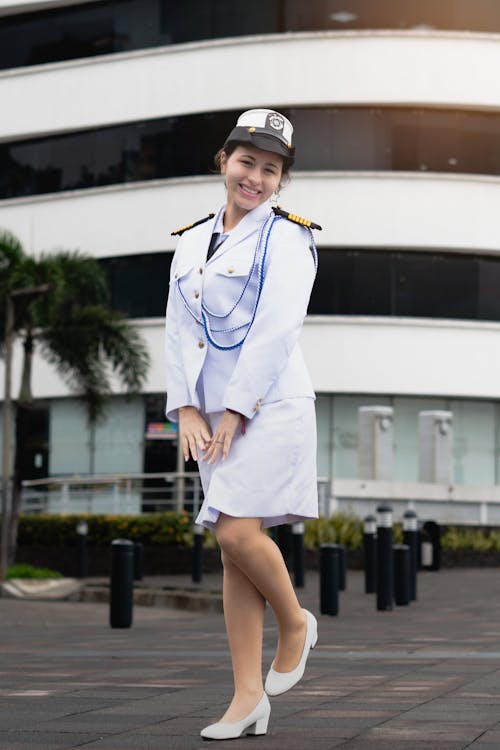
x=342, y=555
x=282, y=536
x=329, y=579
x=385, y=565
x=370, y=554
x=82, y=530
x=197, y=569
x=433, y=530
x=138, y=561
x=410, y=537
x=298, y=554
x=401, y=554
x=122, y=574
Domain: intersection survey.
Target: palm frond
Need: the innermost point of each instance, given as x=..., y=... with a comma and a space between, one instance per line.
x=90, y=343
x=78, y=332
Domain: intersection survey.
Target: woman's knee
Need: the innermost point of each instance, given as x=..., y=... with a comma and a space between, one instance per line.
x=226, y=561
x=236, y=535
x=230, y=541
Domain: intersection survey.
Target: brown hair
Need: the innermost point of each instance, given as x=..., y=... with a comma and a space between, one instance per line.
x=231, y=147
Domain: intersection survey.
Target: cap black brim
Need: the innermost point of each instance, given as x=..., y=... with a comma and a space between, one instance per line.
x=264, y=141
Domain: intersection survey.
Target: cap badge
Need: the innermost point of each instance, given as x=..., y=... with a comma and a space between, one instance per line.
x=276, y=121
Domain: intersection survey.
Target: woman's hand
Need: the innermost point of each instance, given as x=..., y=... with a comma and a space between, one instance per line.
x=223, y=437
x=194, y=432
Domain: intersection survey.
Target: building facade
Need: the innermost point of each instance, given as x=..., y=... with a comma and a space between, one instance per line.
x=110, y=115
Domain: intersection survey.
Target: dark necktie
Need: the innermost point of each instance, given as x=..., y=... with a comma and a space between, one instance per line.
x=216, y=241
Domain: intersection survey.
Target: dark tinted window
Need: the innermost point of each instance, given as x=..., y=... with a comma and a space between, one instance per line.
x=327, y=138
x=88, y=29
x=439, y=286
x=488, y=289
x=406, y=284
x=139, y=283
x=349, y=282
x=473, y=15
x=352, y=283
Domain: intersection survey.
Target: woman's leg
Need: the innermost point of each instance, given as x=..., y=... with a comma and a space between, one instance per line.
x=256, y=555
x=244, y=608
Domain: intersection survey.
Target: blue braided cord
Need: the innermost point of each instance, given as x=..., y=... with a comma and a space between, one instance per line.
x=193, y=314
x=261, y=270
x=221, y=347
x=226, y=315
x=313, y=249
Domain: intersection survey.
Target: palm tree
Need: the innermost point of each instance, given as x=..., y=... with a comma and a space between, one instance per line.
x=73, y=328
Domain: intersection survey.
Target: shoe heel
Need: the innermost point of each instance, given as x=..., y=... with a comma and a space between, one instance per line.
x=314, y=640
x=259, y=727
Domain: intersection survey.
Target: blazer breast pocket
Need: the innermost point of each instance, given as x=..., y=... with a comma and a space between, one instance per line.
x=227, y=284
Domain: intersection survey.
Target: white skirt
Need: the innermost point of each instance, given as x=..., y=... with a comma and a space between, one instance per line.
x=270, y=472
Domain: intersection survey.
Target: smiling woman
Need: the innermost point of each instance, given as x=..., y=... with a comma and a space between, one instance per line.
x=238, y=386
x=251, y=177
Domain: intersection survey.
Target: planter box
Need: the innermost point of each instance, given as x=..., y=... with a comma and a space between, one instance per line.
x=177, y=560
x=157, y=560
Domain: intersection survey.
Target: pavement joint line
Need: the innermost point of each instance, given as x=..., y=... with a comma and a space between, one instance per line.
x=365, y=662
x=323, y=654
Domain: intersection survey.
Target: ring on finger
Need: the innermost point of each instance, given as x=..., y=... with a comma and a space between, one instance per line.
x=220, y=442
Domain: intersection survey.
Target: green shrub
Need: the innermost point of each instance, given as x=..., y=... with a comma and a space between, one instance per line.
x=23, y=570
x=171, y=528
x=149, y=528
x=340, y=528
x=467, y=538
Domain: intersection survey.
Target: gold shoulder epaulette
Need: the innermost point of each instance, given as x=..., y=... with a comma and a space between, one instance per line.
x=296, y=219
x=190, y=226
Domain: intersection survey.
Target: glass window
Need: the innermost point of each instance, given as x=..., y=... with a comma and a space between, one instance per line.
x=488, y=288
x=139, y=283
x=119, y=439
x=474, y=435
x=406, y=411
x=81, y=30
x=478, y=15
x=440, y=286
x=325, y=448
x=326, y=138
x=97, y=28
x=352, y=283
x=473, y=442
x=349, y=282
x=114, y=446
x=345, y=431
x=368, y=282
x=69, y=438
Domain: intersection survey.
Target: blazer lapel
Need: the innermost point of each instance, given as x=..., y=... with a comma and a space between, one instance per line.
x=249, y=224
x=195, y=252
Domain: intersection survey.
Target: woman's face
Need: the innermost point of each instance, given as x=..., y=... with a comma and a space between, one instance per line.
x=252, y=176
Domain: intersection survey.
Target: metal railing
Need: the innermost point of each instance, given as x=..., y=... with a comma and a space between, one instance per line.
x=125, y=494
x=116, y=494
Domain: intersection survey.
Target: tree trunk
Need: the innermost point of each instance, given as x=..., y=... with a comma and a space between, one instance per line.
x=22, y=407
x=16, y=490
x=25, y=394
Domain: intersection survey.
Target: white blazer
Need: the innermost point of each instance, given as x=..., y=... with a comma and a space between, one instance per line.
x=269, y=365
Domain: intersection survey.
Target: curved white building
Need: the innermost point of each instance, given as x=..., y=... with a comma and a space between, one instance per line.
x=110, y=114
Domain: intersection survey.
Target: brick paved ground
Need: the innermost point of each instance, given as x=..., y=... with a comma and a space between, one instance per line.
x=420, y=677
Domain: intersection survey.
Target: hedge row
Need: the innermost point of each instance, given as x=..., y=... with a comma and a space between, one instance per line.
x=171, y=528
x=149, y=528
x=341, y=528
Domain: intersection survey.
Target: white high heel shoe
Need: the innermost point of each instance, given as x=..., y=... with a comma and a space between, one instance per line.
x=255, y=723
x=280, y=682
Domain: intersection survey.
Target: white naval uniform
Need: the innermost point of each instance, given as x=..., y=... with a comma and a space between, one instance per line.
x=270, y=472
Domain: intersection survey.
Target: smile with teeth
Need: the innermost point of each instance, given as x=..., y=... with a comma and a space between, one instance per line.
x=249, y=190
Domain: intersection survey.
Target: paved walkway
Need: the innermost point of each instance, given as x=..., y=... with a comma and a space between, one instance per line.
x=420, y=677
